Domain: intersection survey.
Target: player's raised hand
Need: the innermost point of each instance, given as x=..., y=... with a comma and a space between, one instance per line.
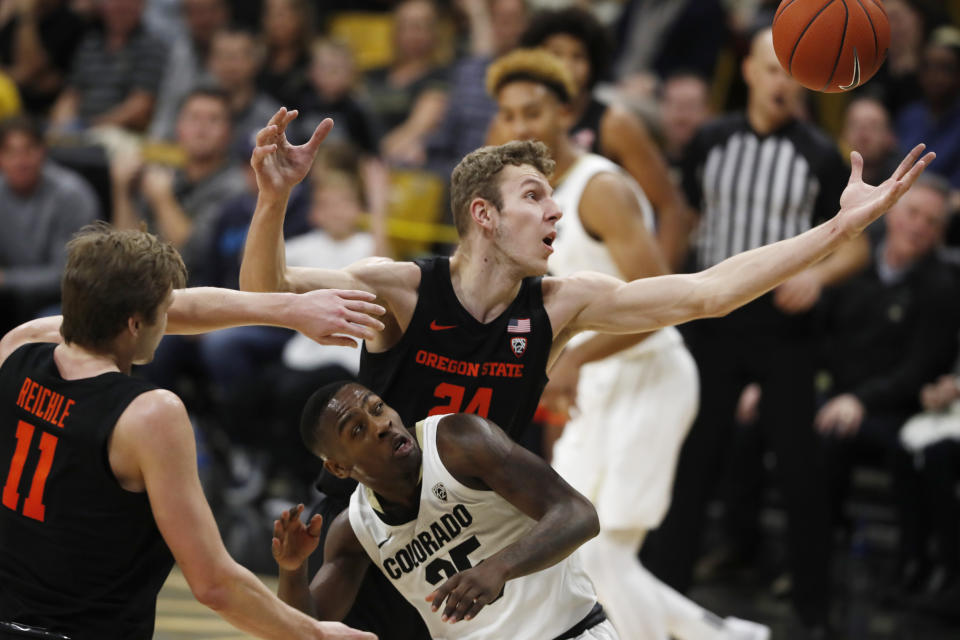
x=861, y=204
x=332, y=316
x=468, y=592
x=293, y=542
x=278, y=164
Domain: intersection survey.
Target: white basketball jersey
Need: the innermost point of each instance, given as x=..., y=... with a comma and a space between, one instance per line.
x=457, y=528
x=576, y=250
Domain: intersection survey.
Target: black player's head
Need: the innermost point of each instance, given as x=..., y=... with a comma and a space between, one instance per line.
x=577, y=38
x=357, y=434
x=118, y=284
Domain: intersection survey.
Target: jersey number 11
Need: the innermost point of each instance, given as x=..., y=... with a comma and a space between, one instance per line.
x=33, y=505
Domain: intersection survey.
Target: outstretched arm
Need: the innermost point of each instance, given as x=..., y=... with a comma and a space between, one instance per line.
x=279, y=166
x=345, y=562
x=325, y=316
x=479, y=454
x=153, y=449
x=329, y=317
x=593, y=301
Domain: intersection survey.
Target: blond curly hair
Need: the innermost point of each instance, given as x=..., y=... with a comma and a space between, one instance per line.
x=535, y=65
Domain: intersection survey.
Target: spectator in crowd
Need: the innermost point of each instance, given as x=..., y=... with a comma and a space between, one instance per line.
x=757, y=177
x=163, y=17
x=663, y=37
x=577, y=38
x=116, y=73
x=887, y=331
x=409, y=97
x=182, y=205
x=38, y=39
x=867, y=128
x=287, y=32
x=932, y=439
x=495, y=29
x=896, y=82
x=221, y=266
x=935, y=118
x=41, y=205
x=684, y=107
x=235, y=59
x=185, y=68
x=331, y=93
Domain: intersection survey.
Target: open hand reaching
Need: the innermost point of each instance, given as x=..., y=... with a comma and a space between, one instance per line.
x=861, y=204
x=278, y=164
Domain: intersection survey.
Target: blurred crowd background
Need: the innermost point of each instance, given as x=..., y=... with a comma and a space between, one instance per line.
x=144, y=112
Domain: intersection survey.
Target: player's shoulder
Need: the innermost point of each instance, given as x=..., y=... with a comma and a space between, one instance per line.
x=11, y=341
x=608, y=182
x=468, y=433
x=468, y=444
x=458, y=425
x=39, y=330
x=566, y=297
x=571, y=286
x=152, y=412
x=379, y=271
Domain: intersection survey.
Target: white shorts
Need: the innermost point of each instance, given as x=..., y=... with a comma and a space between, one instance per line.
x=620, y=450
x=602, y=631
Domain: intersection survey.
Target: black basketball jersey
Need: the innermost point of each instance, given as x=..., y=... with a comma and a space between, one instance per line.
x=448, y=362
x=78, y=554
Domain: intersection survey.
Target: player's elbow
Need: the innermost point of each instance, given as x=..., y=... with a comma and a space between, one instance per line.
x=586, y=516
x=212, y=594
x=213, y=586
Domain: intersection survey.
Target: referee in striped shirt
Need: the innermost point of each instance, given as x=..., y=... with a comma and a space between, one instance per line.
x=756, y=178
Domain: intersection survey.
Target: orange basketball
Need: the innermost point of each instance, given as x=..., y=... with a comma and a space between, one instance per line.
x=831, y=45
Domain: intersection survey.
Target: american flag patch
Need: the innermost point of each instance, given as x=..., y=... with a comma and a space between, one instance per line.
x=518, y=325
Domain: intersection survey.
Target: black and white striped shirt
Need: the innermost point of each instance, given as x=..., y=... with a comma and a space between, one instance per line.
x=752, y=190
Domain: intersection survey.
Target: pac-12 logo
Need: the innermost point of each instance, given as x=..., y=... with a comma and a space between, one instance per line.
x=440, y=491
x=519, y=345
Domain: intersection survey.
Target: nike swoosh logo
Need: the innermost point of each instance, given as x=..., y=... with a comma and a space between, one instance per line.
x=440, y=327
x=856, y=72
x=383, y=543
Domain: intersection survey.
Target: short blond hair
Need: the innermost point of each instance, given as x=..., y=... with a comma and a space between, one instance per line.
x=478, y=175
x=533, y=65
